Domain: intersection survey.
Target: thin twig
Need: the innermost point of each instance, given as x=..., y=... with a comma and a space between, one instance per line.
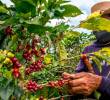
x=60, y=97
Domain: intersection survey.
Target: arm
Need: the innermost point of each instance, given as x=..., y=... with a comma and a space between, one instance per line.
x=104, y=86
x=83, y=82
x=103, y=82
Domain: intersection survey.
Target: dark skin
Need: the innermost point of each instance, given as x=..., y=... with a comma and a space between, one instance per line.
x=105, y=15
x=84, y=83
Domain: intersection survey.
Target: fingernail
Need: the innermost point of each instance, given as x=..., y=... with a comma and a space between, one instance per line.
x=65, y=75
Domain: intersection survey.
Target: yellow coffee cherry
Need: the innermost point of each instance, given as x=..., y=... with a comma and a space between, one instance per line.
x=7, y=61
x=2, y=57
x=48, y=59
x=5, y=52
x=10, y=55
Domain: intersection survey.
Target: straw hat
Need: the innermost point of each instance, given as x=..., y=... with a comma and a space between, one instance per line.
x=104, y=7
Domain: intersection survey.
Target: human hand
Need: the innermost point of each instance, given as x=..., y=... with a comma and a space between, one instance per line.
x=82, y=83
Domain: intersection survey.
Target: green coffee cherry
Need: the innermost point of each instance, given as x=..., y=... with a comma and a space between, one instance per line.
x=2, y=58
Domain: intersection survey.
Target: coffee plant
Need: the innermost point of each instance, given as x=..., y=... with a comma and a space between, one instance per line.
x=33, y=53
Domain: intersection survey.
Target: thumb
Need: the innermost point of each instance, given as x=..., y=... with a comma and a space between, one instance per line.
x=68, y=76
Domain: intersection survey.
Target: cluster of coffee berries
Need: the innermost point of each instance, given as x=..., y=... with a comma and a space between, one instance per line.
x=5, y=56
x=36, y=40
x=36, y=66
x=8, y=30
x=16, y=66
x=32, y=86
x=15, y=62
x=9, y=59
x=34, y=54
x=30, y=49
x=58, y=83
x=27, y=55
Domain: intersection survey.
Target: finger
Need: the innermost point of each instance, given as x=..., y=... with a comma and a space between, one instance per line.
x=74, y=76
x=79, y=75
x=76, y=82
x=67, y=75
x=76, y=90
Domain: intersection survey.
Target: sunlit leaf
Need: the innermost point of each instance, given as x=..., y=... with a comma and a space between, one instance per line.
x=94, y=15
x=97, y=24
x=71, y=33
x=3, y=10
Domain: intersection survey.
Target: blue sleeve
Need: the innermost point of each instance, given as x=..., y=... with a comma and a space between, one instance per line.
x=105, y=85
